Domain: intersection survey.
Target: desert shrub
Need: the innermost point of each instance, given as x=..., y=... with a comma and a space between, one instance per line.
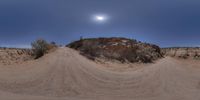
x=92, y=51
x=157, y=48
x=184, y=56
x=40, y=47
x=129, y=54
x=196, y=55
x=75, y=45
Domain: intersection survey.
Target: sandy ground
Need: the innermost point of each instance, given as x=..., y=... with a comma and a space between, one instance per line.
x=66, y=75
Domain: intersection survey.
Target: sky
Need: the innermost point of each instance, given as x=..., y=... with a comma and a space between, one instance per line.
x=166, y=23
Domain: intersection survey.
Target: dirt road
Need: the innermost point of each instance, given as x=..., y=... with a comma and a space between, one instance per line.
x=66, y=75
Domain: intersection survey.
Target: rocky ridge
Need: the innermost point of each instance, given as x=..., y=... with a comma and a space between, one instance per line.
x=120, y=49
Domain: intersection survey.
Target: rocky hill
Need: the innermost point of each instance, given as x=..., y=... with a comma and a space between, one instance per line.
x=120, y=49
x=182, y=52
x=14, y=55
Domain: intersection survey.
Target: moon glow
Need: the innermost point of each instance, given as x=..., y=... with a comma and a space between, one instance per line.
x=100, y=18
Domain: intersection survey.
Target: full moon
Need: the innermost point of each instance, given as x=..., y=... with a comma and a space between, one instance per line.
x=100, y=18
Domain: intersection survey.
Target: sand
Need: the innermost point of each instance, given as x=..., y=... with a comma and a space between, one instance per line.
x=66, y=75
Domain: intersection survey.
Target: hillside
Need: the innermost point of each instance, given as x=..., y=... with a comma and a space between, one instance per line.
x=14, y=55
x=121, y=49
x=182, y=52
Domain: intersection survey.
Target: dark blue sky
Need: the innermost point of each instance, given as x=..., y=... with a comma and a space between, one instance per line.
x=163, y=22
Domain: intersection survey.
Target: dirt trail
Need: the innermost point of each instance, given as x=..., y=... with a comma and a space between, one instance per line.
x=66, y=75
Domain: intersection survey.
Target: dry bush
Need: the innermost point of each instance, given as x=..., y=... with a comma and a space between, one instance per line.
x=196, y=56
x=40, y=47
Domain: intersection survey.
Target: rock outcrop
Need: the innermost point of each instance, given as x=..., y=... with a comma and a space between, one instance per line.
x=121, y=49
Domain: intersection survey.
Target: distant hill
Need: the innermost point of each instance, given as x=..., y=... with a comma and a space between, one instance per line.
x=121, y=49
x=182, y=52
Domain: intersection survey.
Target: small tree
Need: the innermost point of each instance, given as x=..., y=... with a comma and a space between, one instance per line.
x=40, y=47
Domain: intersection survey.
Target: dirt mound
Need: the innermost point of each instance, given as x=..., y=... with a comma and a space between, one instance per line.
x=66, y=75
x=12, y=55
x=185, y=53
x=121, y=49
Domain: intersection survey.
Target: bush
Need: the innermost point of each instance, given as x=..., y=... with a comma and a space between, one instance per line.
x=40, y=47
